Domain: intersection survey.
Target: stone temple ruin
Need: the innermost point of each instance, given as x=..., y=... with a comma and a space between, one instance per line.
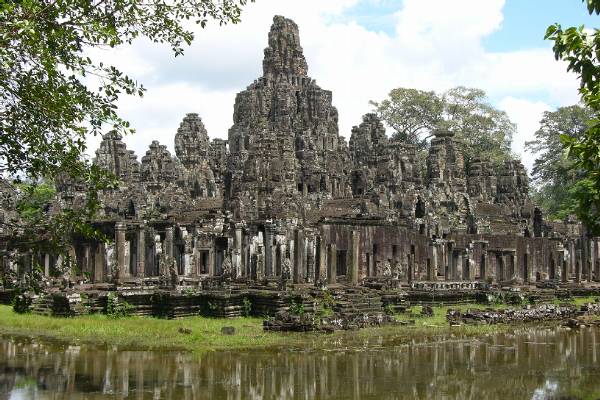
x=285, y=201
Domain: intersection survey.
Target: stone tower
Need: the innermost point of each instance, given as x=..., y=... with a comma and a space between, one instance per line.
x=192, y=147
x=191, y=141
x=284, y=144
x=445, y=163
x=113, y=156
x=513, y=184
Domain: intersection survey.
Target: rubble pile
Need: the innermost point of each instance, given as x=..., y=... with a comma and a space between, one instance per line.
x=541, y=313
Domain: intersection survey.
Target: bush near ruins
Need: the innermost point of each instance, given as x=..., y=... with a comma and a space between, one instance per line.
x=116, y=308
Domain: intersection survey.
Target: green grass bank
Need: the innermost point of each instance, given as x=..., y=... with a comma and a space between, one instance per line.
x=204, y=334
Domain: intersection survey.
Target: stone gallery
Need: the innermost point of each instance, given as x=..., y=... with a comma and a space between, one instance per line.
x=286, y=200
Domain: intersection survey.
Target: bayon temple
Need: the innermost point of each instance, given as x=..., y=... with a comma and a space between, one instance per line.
x=287, y=199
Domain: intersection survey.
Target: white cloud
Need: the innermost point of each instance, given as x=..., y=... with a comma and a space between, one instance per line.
x=527, y=115
x=436, y=45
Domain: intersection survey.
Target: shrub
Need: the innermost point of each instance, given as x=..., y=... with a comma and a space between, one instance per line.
x=21, y=304
x=328, y=300
x=116, y=308
x=297, y=307
x=388, y=309
x=247, y=307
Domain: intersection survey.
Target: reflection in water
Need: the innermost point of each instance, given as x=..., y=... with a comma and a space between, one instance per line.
x=526, y=364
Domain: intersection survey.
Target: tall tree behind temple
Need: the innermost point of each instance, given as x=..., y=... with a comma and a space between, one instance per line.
x=413, y=114
x=553, y=173
x=484, y=131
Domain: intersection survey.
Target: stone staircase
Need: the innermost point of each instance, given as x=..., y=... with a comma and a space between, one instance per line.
x=357, y=301
x=60, y=304
x=42, y=305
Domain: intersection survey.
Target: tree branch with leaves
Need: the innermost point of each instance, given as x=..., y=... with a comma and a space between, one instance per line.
x=580, y=48
x=48, y=107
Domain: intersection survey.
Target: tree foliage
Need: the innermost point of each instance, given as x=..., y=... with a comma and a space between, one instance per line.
x=412, y=113
x=35, y=200
x=53, y=94
x=580, y=48
x=484, y=131
x=553, y=173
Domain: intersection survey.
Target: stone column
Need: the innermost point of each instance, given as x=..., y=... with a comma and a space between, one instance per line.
x=527, y=273
x=292, y=252
x=299, y=258
x=310, y=258
x=322, y=258
x=595, y=265
x=470, y=264
x=458, y=268
x=483, y=268
x=589, y=259
x=370, y=265
x=269, y=267
x=429, y=267
x=245, y=258
x=120, y=230
x=572, y=257
x=411, y=268
x=513, y=265
x=212, y=260
x=141, y=251
x=500, y=267
x=354, y=259
x=189, y=267
x=260, y=263
x=585, y=270
x=99, y=261
x=432, y=262
x=578, y=266
x=450, y=256
x=167, y=256
x=87, y=263
x=46, y=264
x=238, y=236
x=332, y=264
x=127, y=271
x=168, y=250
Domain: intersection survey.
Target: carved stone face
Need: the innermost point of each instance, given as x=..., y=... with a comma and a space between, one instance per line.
x=191, y=141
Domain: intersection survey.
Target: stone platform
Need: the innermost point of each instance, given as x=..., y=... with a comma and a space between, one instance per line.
x=234, y=300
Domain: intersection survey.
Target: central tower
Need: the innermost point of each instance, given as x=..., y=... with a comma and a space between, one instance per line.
x=285, y=150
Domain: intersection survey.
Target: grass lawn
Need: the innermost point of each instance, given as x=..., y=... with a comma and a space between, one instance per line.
x=205, y=333
x=142, y=332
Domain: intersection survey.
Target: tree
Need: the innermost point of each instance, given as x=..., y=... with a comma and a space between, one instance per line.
x=484, y=131
x=52, y=94
x=581, y=50
x=553, y=172
x=412, y=113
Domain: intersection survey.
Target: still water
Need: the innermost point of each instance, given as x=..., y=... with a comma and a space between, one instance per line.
x=543, y=363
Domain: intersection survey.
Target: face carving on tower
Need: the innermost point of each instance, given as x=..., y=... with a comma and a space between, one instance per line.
x=284, y=56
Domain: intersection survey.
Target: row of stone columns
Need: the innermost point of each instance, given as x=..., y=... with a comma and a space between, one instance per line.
x=313, y=258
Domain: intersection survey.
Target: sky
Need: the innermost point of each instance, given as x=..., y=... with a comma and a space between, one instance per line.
x=360, y=50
